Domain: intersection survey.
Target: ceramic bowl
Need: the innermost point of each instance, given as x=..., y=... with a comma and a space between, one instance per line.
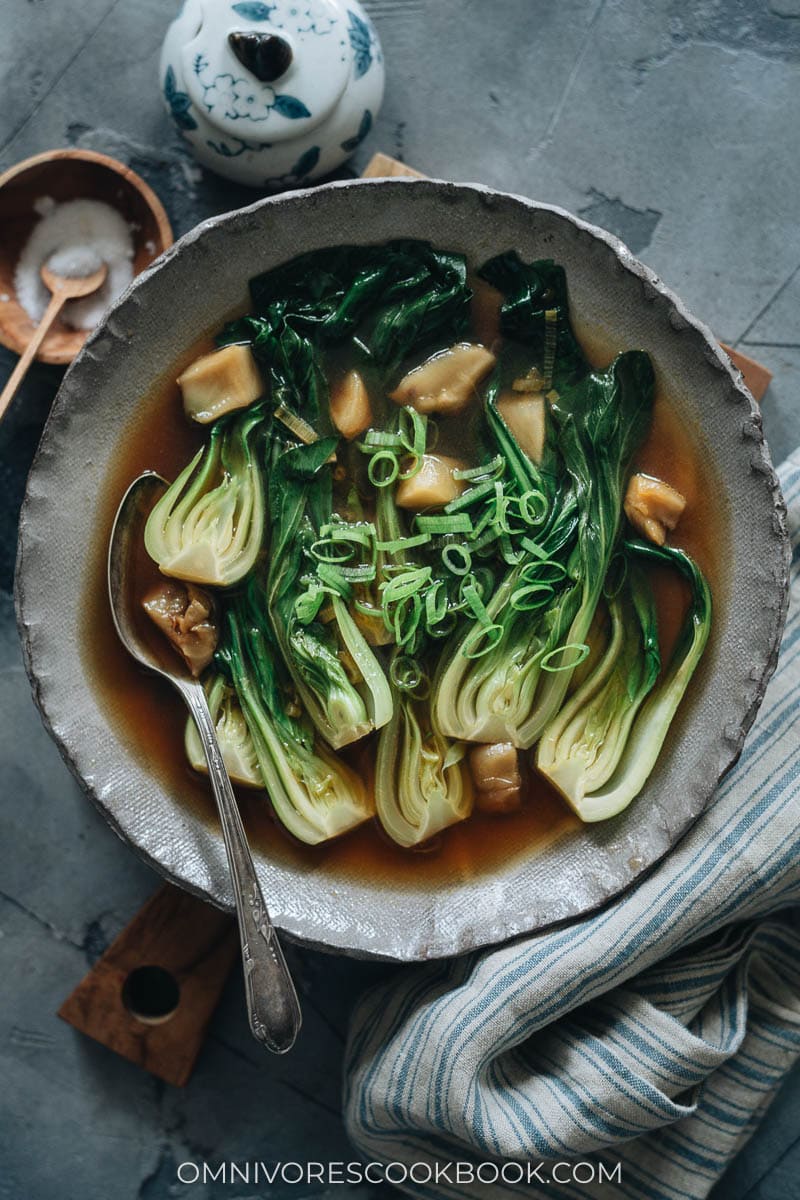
x=331, y=900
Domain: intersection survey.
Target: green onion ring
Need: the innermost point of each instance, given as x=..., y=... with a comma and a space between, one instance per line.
x=580, y=648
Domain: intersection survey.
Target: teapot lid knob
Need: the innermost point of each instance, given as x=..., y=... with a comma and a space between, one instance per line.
x=268, y=56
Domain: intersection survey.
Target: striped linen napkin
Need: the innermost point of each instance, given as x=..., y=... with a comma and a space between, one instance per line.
x=637, y=1049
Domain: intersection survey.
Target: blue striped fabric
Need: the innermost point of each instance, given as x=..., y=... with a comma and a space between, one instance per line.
x=652, y=1034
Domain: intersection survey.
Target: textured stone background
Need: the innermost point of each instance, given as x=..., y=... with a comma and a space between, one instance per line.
x=674, y=124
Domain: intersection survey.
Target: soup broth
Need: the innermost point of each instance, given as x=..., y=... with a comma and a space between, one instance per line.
x=150, y=717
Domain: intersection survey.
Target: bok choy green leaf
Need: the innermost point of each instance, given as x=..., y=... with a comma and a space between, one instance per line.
x=387, y=300
x=208, y=526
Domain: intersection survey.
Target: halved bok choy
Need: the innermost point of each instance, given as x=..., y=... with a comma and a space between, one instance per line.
x=299, y=584
x=422, y=783
x=314, y=793
x=601, y=747
x=208, y=526
x=507, y=677
x=233, y=736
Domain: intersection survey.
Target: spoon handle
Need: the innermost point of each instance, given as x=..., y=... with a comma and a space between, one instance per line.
x=272, y=1004
x=21, y=369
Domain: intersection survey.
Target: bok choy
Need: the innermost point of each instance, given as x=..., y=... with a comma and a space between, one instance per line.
x=208, y=526
x=422, y=784
x=343, y=707
x=601, y=747
x=314, y=793
x=504, y=680
x=235, y=743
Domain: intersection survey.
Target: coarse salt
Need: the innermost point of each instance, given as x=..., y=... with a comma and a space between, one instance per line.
x=74, y=239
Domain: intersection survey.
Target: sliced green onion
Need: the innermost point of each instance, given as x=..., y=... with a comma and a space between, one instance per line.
x=470, y=497
x=531, y=596
x=297, y=425
x=474, y=602
x=361, y=532
x=407, y=584
x=388, y=477
x=363, y=573
x=380, y=438
x=447, y=523
x=533, y=548
x=581, y=652
x=406, y=673
x=340, y=552
x=435, y=604
x=412, y=431
x=401, y=544
x=406, y=618
x=528, y=509
x=333, y=578
x=456, y=558
x=491, y=470
x=472, y=647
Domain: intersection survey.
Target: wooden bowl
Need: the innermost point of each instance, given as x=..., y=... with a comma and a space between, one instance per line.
x=69, y=175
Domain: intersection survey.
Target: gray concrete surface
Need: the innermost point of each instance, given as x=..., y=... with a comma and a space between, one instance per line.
x=675, y=125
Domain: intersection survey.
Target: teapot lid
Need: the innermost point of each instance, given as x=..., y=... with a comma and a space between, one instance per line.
x=268, y=70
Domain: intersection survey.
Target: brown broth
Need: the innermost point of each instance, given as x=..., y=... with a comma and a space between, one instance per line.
x=151, y=720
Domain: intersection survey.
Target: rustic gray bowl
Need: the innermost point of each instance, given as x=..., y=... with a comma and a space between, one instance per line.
x=192, y=288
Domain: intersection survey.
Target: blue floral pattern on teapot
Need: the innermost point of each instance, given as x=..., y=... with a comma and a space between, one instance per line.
x=272, y=94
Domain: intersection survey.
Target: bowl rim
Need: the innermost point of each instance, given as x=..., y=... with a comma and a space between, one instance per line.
x=680, y=318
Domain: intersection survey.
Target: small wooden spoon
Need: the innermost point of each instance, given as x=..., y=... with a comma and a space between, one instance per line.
x=63, y=289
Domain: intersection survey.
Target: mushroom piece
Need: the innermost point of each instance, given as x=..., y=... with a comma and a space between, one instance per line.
x=496, y=776
x=185, y=614
x=653, y=507
x=446, y=382
x=433, y=486
x=219, y=383
x=351, y=411
x=525, y=417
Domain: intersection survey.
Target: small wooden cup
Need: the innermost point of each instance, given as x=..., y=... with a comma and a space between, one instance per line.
x=69, y=175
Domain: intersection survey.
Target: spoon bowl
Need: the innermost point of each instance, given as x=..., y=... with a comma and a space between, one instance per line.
x=73, y=287
x=69, y=175
x=272, y=1004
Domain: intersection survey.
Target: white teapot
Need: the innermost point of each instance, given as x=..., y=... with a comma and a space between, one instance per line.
x=272, y=93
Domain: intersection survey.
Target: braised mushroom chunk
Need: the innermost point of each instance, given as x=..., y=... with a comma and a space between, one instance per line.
x=433, y=485
x=185, y=614
x=351, y=411
x=446, y=383
x=496, y=778
x=653, y=507
x=524, y=414
x=219, y=383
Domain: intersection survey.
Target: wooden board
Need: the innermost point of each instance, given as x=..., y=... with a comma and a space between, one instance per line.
x=756, y=376
x=195, y=945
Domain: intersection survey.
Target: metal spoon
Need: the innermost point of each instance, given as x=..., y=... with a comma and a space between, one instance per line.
x=272, y=1004
x=63, y=289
